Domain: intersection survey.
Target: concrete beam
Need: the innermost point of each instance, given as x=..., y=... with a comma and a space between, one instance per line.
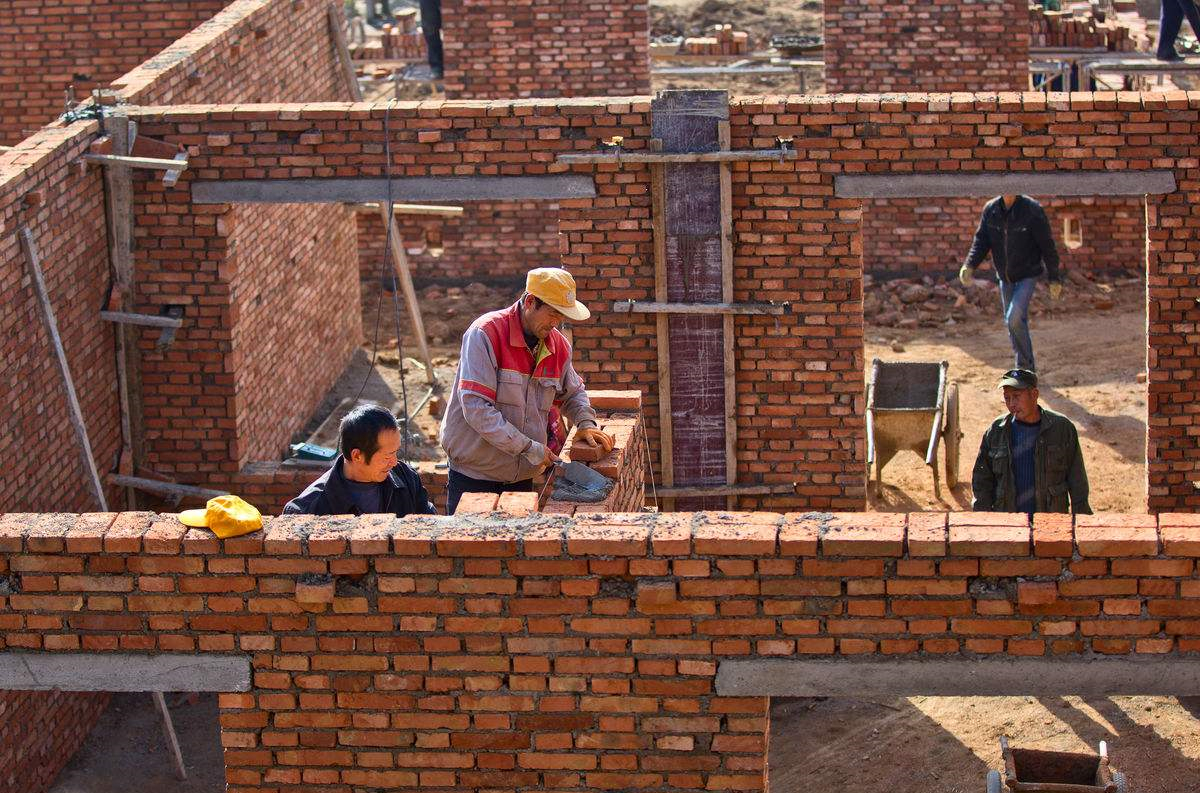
x=990, y=677
x=410, y=190
x=123, y=672
x=990, y=185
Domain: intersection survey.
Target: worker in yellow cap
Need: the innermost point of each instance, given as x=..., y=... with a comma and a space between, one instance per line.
x=515, y=367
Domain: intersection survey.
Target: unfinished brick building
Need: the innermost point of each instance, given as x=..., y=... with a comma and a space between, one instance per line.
x=890, y=47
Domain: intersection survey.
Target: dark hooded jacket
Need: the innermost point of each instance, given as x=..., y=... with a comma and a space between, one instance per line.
x=1019, y=239
x=403, y=494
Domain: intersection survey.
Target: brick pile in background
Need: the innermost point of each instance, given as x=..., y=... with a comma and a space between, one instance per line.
x=721, y=40
x=552, y=652
x=882, y=46
x=1071, y=29
x=39, y=733
x=932, y=236
x=545, y=48
x=490, y=240
x=46, y=47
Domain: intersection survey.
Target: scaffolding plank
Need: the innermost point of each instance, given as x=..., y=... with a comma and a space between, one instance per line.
x=989, y=185
x=413, y=190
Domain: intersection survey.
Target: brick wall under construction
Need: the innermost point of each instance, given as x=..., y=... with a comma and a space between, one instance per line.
x=507, y=50
x=880, y=47
x=39, y=733
x=45, y=47
x=485, y=652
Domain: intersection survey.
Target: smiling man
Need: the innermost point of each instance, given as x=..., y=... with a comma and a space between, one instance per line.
x=515, y=366
x=1030, y=460
x=367, y=477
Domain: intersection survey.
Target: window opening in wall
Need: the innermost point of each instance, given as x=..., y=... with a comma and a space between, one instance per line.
x=948, y=744
x=127, y=750
x=1089, y=347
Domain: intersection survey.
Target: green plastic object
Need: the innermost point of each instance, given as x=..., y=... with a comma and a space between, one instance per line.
x=310, y=451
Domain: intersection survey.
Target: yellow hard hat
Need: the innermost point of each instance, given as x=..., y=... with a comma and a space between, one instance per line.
x=226, y=516
x=556, y=288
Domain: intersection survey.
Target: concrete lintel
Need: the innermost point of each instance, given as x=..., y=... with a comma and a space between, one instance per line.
x=957, y=677
x=990, y=185
x=407, y=190
x=123, y=672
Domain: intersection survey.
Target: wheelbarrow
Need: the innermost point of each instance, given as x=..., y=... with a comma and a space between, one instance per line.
x=1036, y=771
x=911, y=406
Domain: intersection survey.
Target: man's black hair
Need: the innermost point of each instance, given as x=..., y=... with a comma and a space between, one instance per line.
x=361, y=427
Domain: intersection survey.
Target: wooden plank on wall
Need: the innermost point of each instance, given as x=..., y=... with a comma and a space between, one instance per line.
x=989, y=185
x=405, y=189
x=730, y=364
x=665, y=426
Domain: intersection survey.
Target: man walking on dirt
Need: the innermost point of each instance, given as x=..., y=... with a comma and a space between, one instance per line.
x=1015, y=230
x=514, y=368
x=1029, y=460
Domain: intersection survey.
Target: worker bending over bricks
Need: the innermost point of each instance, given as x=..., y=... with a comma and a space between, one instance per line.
x=514, y=369
x=367, y=477
x=1015, y=230
x=1030, y=460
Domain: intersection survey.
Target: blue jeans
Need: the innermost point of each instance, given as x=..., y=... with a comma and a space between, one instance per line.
x=1014, y=299
x=1170, y=20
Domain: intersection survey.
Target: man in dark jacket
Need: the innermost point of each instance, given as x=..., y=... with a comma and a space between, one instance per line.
x=1030, y=460
x=366, y=478
x=1014, y=229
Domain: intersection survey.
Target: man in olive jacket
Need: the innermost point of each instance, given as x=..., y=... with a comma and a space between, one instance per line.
x=1030, y=460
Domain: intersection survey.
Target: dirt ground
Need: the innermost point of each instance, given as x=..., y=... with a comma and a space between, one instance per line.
x=1089, y=361
x=947, y=744
x=127, y=753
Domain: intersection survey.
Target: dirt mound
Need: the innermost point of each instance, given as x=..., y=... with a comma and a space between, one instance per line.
x=760, y=18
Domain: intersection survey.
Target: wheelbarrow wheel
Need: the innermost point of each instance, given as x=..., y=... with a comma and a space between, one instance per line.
x=993, y=782
x=1120, y=781
x=952, y=435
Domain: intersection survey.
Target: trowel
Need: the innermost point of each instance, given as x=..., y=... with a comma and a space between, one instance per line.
x=577, y=482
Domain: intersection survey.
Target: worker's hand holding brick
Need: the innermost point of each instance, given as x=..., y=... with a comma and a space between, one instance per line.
x=595, y=437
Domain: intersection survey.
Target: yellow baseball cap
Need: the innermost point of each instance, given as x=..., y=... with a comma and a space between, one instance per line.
x=227, y=516
x=556, y=288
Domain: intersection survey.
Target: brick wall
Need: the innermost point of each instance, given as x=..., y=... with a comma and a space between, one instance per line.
x=542, y=48
x=271, y=293
x=799, y=376
x=878, y=46
x=913, y=236
x=488, y=241
x=47, y=46
x=560, y=653
x=67, y=222
x=39, y=732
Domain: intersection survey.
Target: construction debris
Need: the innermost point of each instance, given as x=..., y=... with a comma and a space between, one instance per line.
x=935, y=301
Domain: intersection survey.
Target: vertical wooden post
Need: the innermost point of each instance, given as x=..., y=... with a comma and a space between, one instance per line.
x=665, y=428
x=723, y=137
x=74, y=411
x=118, y=210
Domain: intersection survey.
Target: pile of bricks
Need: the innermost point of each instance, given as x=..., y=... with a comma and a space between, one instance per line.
x=722, y=40
x=1067, y=29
